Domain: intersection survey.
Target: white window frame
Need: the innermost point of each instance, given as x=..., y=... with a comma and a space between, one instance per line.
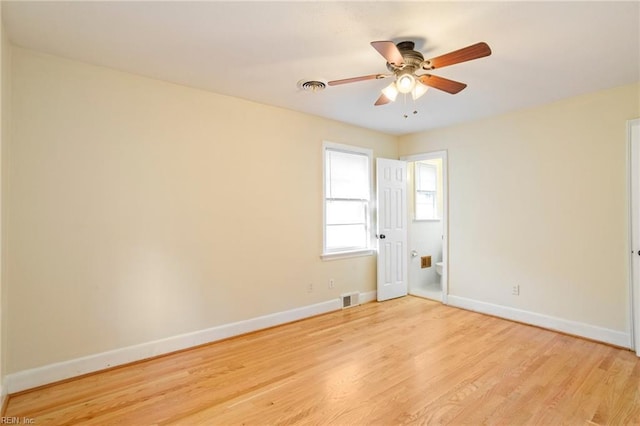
x=368, y=250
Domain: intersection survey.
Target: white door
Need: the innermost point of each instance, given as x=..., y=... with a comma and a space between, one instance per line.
x=392, y=228
x=634, y=140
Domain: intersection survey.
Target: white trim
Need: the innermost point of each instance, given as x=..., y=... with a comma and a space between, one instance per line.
x=370, y=296
x=575, y=328
x=350, y=149
x=51, y=373
x=443, y=154
x=347, y=254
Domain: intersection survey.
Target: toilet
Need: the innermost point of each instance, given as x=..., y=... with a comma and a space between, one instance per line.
x=439, y=272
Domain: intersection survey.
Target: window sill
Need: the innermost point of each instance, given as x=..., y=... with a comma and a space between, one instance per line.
x=347, y=254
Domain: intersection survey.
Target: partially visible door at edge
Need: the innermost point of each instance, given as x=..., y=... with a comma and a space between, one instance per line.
x=634, y=141
x=392, y=228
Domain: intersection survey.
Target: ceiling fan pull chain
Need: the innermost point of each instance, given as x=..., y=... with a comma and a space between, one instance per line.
x=405, y=115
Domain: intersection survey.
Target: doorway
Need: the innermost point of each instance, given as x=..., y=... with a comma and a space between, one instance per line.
x=427, y=225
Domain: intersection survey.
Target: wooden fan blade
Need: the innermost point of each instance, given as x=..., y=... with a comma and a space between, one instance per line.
x=389, y=51
x=382, y=100
x=449, y=86
x=475, y=51
x=354, y=79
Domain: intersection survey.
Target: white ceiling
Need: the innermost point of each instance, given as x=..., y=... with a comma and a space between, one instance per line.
x=542, y=51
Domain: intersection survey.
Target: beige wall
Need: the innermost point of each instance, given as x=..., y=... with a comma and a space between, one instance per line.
x=137, y=209
x=538, y=198
x=140, y=209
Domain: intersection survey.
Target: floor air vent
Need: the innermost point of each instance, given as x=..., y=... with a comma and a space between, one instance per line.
x=350, y=299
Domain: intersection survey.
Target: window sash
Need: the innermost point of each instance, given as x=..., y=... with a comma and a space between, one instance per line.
x=340, y=238
x=426, y=177
x=347, y=175
x=346, y=212
x=426, y=204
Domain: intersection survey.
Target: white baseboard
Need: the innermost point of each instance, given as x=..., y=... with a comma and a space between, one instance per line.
x=370, y=296
x=575, y=328
x=51, y=373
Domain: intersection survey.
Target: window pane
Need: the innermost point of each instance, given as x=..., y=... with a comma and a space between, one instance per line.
x=425, y=177
x=426, y=205
x=346, y=237
x=346, y=212
x=347, y=175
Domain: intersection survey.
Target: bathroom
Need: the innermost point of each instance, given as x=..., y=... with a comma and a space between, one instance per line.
x=426, y=203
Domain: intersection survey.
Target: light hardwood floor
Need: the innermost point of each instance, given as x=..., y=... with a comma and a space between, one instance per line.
x=405, y=361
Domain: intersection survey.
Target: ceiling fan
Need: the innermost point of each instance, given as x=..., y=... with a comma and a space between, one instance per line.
x=404, y=63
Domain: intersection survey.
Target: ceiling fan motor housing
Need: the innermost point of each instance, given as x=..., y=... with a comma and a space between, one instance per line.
x=412, y=59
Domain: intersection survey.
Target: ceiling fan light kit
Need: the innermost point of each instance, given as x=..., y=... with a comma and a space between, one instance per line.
x=390, y=92
x=405, y=82
x=419, y=90
x=404, y=62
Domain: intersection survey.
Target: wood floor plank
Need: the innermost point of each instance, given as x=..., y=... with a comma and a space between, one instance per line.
x=404, y=361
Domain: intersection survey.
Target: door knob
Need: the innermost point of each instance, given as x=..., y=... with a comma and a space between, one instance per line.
x=382, y=237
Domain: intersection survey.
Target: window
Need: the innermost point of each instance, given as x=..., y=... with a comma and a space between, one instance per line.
x=347, y=195
x=426, y=191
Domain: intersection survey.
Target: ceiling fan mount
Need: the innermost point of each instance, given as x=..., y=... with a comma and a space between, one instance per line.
x=404, y=62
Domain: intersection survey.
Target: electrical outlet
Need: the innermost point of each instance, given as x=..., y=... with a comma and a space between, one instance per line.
x=331, y=283
x=310, y=287
x=515, y=290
